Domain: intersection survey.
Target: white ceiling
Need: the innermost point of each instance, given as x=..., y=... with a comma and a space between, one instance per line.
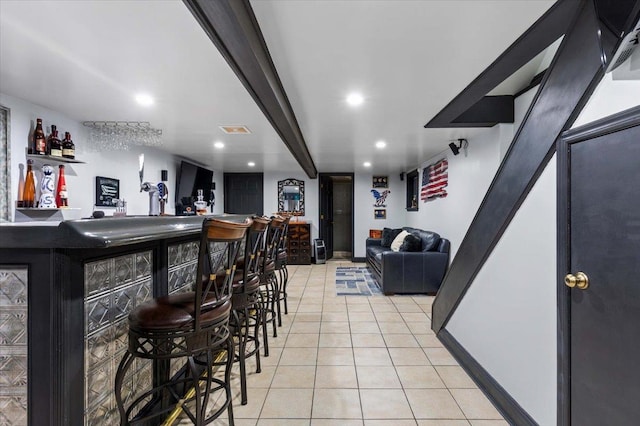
x=87, y=59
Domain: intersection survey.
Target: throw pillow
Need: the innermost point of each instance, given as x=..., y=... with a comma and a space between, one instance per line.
x=388, y=235
x=397, y=241
x=411, y=243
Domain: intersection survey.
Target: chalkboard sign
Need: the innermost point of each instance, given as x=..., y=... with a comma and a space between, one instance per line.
x=107, y=191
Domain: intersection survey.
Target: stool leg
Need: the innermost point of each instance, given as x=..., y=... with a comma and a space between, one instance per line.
x=125, y=363
x=286, y=281
x=227, y=379
x=196, y=386
x=263, y=321
x=242, y=336
x=276, y=284
x=256, y=334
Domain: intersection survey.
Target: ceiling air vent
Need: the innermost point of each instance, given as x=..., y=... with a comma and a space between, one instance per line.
x=629, y=44
x=235, y=130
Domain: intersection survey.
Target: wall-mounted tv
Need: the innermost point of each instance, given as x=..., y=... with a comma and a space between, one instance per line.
x=189, y=179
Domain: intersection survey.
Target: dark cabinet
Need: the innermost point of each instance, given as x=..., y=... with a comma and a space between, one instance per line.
x=299, y=244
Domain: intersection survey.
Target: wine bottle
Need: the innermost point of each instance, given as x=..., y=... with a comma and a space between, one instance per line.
x=62, y=197
x=54, y=145
x=68, y=147
x=39, y=140
x=29, y=194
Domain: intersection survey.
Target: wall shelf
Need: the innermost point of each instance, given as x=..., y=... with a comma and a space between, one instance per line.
x=53, y=159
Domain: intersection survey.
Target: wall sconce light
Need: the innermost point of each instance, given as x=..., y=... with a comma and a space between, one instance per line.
x=456, y=148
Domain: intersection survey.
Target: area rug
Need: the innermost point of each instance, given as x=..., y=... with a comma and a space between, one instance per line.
x=356, y=281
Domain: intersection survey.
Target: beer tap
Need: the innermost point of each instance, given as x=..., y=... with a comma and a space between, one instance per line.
x=154, y=196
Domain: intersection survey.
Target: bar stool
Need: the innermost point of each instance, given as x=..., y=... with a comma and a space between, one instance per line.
x=247, y=302
x=281, y=267
x=268, y=279
x=192, y=325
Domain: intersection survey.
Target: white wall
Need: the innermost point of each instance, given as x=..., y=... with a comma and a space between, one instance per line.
x=80, y=178
x=470, y=174
x=363, y=208
x=509, y=324
x=507, y=319
x=363, y=204
x=611, y=96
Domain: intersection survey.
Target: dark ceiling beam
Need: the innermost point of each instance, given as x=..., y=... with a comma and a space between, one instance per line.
x=233, y=28
x=566, y=87
x=487, y=112
x=551, y=26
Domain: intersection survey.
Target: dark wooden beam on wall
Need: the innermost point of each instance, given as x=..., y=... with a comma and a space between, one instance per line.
x=551, y=26
x=569, y=82
x=487, y=112
x=232, y=27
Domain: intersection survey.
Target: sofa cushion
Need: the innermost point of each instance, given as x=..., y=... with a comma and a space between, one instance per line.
x=398, y=240
x=430, y=240
x=374, y=250
x=388, y=235
x=411, y=243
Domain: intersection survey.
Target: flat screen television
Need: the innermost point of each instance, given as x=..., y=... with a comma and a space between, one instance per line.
x=189, y=179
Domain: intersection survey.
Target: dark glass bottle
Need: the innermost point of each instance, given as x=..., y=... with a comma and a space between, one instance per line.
x=54, y=144
x=39, y=139
x=29, y=194
x=68, y=147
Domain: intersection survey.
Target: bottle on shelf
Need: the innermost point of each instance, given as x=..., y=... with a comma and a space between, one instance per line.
x=54, y=145
x=201, y=204
x=29, y=194
x=68, y=147
x=39, y=139
x=62, y=197
x=47, y=197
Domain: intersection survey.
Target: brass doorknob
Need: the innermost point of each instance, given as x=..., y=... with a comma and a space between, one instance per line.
x=580, y=280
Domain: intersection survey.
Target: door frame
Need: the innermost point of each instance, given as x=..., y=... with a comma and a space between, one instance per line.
x=611, y=124
x=353, y=197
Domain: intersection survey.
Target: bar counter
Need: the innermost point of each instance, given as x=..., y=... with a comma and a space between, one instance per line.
x=65, y=292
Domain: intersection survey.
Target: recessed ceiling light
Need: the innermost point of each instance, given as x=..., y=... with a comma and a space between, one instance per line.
x=218, y=145
x=355, y=99
x=366, y=164
x=251, y=164
x=144, y=99
x=235, y=130
x=381, y=144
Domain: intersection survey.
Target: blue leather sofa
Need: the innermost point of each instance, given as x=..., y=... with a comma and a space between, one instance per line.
x=409, y=272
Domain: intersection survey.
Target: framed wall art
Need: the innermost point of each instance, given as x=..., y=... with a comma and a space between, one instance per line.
x=380, y=182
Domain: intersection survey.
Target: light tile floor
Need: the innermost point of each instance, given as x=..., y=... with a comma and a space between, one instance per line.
x=361, y=361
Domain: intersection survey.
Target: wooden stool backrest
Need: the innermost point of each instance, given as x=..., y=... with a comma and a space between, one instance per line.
x=220, y=242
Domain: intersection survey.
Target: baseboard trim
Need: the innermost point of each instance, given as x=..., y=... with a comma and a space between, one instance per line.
x=508, y=407
x=358, y=259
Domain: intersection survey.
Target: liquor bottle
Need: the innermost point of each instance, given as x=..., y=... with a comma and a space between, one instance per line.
x=68, y=147
x=39, y=140
x=55, y=145
x=29, y=194
x=62, y=198
x=50, y=140
x=201, y=204
x=47, y=197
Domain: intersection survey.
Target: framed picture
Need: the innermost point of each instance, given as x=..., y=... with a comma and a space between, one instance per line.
x=107, y=191
x=381, y=181
x=380, y=214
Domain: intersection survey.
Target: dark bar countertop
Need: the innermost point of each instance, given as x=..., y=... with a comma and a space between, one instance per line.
x=102, y=233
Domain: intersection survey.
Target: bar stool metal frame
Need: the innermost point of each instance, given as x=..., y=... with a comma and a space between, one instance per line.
x=281, y=267
x=268, y=278
x=247, y=301
x=192, y=325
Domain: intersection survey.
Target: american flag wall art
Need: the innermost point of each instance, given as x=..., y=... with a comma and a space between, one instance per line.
x=435, y=179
